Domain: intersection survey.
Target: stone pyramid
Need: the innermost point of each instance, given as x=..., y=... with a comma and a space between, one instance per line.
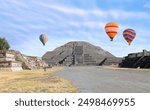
x=79, y=53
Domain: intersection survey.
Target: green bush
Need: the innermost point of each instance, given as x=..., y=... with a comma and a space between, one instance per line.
x=4, y=45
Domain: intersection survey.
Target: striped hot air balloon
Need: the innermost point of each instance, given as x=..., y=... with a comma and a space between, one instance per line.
x=111, y=29
x=43, y=38
x=129, y=35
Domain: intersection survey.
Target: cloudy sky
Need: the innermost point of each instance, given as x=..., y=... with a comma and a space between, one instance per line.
x=22, y=21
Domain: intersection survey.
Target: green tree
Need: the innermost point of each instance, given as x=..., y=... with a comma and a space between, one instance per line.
x=4, y=45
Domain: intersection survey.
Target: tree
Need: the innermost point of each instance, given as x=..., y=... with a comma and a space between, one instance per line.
x=4, y=45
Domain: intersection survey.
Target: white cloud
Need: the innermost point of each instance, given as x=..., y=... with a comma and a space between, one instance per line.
x=89, y=24
x=121, y=14
x=147, y=5
x=116, y=14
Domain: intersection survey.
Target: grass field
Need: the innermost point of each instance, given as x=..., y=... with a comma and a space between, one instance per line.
x=35, y=81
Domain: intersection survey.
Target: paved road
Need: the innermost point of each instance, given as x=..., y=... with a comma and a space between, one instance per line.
x=102, y=80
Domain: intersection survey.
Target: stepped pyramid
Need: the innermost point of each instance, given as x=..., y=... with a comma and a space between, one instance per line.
x=79, y=53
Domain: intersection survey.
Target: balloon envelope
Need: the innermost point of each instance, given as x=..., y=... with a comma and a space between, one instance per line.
x=111, y=29
x=43, y=38
x=129, y=35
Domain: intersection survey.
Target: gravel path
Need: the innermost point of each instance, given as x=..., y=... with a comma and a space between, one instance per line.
x=102, y=80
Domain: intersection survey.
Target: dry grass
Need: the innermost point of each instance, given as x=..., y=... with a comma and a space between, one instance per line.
x=120, y=68
x=35, y=81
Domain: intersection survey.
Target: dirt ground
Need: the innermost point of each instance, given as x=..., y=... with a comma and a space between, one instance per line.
x=35, y=81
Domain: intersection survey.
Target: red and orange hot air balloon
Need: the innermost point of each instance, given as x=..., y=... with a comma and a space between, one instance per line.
x=129, y=35
x=111, y=29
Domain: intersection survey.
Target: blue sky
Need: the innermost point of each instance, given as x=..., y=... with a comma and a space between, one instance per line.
x=22, y=21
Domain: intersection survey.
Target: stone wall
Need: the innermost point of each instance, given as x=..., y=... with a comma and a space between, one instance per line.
x=10, y=66
x=14, y=60
x=136, y=60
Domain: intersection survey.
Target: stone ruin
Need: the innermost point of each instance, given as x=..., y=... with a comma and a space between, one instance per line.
x=79, y=53
x=136, y=60
x=11, y=60
x=8, y=62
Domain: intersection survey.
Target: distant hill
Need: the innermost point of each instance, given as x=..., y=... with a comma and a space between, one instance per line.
x=79, y=53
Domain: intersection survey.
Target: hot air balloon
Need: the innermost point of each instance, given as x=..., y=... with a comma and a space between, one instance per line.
x=111, y=29
x=43, y=38
x=129, y=35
